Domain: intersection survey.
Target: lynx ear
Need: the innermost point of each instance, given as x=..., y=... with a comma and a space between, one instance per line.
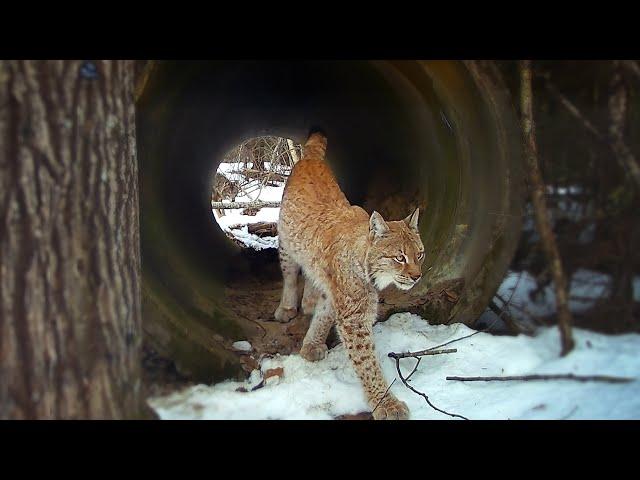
x=412, y=220
x=377, y=226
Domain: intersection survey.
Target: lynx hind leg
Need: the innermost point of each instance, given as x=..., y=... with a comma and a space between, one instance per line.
x=309, y=297
x=288, y=307
x=314, y=345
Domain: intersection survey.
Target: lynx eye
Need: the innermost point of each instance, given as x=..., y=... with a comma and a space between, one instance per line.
x=399, y=258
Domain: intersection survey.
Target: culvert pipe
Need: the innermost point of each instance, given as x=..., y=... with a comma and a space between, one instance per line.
x=441, y=135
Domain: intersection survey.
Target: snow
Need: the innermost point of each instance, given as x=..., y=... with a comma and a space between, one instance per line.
x=329, y=388
x=242, y=346
x=234, y=216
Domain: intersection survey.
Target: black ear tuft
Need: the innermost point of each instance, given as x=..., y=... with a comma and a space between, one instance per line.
x=316, y=129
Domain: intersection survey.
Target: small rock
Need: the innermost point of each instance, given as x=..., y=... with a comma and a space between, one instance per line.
x=242, y=346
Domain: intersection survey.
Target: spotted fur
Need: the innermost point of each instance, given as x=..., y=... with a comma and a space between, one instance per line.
x=346, y=256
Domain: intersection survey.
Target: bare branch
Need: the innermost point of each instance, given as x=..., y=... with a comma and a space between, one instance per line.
x=617, y=112
x=571, y=108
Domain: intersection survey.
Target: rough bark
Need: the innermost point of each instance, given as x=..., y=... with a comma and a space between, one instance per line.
x=540, y=207
x=70, y=325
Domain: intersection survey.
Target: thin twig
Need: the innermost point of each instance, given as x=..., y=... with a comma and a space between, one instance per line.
x=573, y=410
x=385, y=394
x=564, y=376
x=414, y=368
x=423, y=395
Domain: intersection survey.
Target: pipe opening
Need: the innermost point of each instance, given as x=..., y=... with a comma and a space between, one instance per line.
x=441, y=136
x=247, y=189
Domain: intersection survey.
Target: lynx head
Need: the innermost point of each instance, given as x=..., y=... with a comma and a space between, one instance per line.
x=396, y=252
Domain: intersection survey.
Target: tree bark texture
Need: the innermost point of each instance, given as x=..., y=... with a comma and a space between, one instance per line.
x=70, y=323
x=540, y=207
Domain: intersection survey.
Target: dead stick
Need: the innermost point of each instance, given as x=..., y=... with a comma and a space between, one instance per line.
x=540, y=207
x=566, y=376
x=421, y=353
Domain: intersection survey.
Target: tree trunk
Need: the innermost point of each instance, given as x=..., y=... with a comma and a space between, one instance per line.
x=70, y=324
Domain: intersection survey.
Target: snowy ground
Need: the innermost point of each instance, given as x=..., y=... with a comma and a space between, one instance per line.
x=329, y=388
x=234, y=216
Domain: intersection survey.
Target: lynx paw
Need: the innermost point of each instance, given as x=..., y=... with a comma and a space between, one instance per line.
x=285, y=314
x=313, y=353
x=390, y=408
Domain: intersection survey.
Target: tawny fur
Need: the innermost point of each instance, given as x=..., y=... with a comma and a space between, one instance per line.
x=346, y=256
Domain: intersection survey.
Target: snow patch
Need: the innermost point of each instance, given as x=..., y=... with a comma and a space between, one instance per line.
x=242, y=346
x=329, y=388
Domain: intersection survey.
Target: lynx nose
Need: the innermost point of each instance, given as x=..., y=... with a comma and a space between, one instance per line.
x=415, y=276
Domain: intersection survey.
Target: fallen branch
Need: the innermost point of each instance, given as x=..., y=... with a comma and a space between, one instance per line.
x=421, y=353
x=564, y=376
x=256, y=204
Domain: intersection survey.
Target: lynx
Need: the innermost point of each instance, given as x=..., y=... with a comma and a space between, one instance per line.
x=346, y=257
x=223, y=189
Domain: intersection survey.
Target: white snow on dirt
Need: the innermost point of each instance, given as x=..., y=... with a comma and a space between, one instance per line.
x=329, y=388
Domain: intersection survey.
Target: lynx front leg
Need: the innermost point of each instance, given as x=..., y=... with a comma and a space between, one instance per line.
x=288, y=307
x=356, y=332
x=314, y=346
